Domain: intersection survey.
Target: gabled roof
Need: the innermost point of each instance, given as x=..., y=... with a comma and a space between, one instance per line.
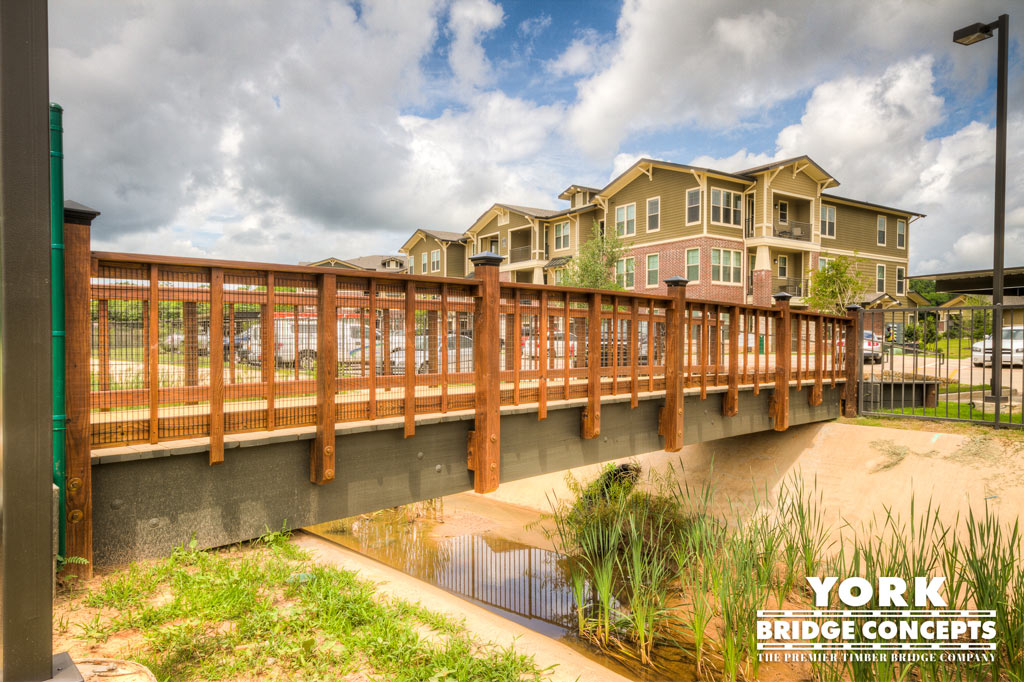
x=528, y=211
x=331, y=262
x=376, y=262
x=423, y=233
x=804, y=162
x=573, y=189
x=533, y=212
x=880, y=299
x=643, y=166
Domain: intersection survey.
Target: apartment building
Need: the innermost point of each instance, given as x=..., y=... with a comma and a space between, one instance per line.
x=435, y=252
x=738, y=237
x=376, y=263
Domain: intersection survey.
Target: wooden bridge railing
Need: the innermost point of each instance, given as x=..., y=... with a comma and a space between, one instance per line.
x=183, y=348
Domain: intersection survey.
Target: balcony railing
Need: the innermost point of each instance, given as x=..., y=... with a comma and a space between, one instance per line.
x=794, y=286
x=749, y=226
x=518, y=254
x=792, y=229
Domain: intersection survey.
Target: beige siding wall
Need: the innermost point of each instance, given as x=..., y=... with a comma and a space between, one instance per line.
x=492, y=229
x=456, y=266
x=671, y=187
x=856, y=231
x=801, y=184
x=424, y=246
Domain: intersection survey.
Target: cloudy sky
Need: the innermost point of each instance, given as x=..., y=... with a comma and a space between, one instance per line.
x=286, y=131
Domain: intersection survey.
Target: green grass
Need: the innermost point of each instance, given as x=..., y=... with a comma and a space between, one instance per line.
x=951, y=348
x=953, y=410
x=963, y=388
x=269, y=611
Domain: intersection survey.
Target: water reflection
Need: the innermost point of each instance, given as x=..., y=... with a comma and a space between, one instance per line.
x=522, y=583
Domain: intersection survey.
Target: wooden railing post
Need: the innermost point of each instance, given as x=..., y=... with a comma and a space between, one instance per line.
x=592, y=412
x=216, y=365
x=731, y=401
x=815, y=398
x=409, y=399
x=321, y=456
x=484, y=447
x=670, y=424
x=853, y=345
x=783, y=360
x=77, y=350
x=542, y=361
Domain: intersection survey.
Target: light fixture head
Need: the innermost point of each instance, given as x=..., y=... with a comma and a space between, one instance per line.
x=974, y=33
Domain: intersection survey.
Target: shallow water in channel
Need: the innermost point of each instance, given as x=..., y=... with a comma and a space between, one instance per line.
x=525, y=584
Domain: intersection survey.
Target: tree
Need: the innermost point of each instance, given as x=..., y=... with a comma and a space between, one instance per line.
x=594, y=266
x=836, y=286
x=926, y=288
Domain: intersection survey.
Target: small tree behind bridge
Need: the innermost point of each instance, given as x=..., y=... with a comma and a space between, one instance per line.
x=836, y=286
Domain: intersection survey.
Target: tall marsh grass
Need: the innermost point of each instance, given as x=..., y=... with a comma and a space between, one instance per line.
x=656, y=565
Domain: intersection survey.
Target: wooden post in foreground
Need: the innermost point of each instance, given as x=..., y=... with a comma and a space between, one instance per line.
x=670, y=423
x=853, y=345
x=216, y=365
x=814, y=399
x=592, y=412
x=78, y=341
x=783, y=361
x=731, y=400
x=484, y=445
x=321, y=455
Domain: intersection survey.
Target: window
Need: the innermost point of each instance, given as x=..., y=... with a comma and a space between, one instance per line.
x=828, y=221
x=783, y=267
x=624, y=273
x=725, y=207
x=559, y=276
x=625, y=220
x=692, y=206
x=435, y=260
x=654, y=214
x=652, y=270
x=693, y=265
x=423, y=263
x=879, y=278
x=726, y=266
x=493, y=248
x=901, y=284
x=503, y=218
x=881, y=231
x=561, y=236
x=783, y=212
x=823, y=262
x=901, y=234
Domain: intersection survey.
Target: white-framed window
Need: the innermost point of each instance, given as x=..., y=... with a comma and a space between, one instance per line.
x=625, y=220
x=828, y=220
x=692, y=206
x=560, y=276
x=823, y=262
x=783, y=267
x=881, y=232
x=901, y=281
x=423, y=262
x=725, y=207
x=624, y=273
x=652, y=269
x=693, y=265
x=654, y=214
x=901, y=234
x=435, y=260
x=503, y=218
x=879, y=278
x=726, y=266
x=783, y=212
x=492, y=245
x=561, y=236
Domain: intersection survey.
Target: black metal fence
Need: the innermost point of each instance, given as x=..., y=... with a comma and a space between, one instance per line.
x=937, y=363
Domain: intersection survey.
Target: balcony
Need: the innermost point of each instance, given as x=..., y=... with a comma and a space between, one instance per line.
x=519, y=254
x=792, y=229
x=749, y=227
x=794, y=286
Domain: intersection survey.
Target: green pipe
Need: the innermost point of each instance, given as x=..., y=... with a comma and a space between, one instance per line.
x=57, y=309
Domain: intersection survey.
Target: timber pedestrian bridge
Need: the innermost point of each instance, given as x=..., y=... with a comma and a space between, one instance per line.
x=217, y=399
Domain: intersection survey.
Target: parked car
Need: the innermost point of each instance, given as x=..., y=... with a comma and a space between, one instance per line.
x=872, y=347
x=460, y=355
x=1013, y=349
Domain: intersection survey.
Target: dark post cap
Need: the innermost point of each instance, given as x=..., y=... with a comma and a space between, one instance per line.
x=782, y=296
x=853, y=307
x=486, y=258
x=677, y=281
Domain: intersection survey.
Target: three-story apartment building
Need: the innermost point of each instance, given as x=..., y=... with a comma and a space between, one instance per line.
x=737, y=237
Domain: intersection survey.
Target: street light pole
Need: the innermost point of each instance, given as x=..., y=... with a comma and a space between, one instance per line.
x=968, y=36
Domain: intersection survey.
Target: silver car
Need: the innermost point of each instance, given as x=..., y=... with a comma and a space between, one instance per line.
x=1013, y=349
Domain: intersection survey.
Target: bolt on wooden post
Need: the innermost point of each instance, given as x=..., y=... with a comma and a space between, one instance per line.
x=670, y=424
x=783, y=361
x=484, y=447
x=854, y=334
x=322, y=456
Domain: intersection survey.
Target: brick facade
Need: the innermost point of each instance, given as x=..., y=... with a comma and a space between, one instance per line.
x=672, y=262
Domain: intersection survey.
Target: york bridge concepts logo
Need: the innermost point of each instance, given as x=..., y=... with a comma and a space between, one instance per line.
x=896, y=631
